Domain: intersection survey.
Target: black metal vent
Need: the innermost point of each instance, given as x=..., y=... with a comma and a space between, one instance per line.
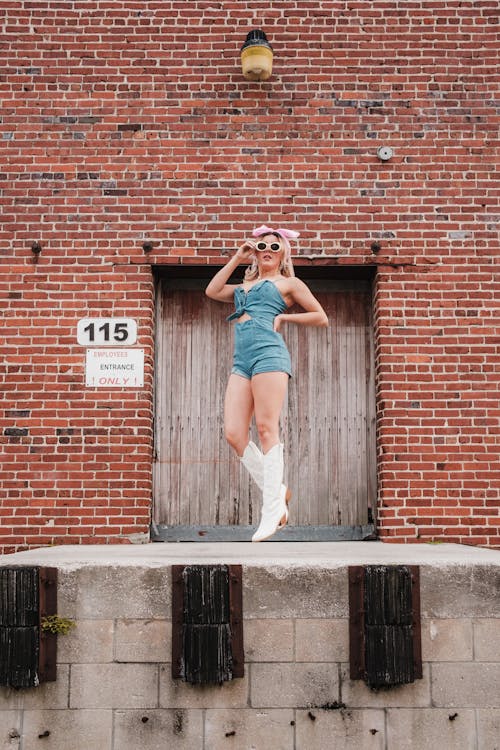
x=27, y=654
x=207, y=641
x=385, y=640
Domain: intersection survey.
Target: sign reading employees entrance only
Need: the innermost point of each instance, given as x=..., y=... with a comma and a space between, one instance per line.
x=114, y=368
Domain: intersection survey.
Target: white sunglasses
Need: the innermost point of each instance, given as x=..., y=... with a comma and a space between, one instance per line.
x=274, y=247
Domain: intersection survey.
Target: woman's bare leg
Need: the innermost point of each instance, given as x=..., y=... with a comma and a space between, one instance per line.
x=269, y=390
x=238, y=410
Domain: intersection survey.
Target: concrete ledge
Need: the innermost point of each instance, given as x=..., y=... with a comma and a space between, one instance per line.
x=266, y=554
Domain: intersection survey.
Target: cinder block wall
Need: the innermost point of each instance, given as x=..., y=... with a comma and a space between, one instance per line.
x=114, y=690
x=126, y=122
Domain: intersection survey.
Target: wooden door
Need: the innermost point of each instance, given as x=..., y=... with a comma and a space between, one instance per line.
x=328, y=424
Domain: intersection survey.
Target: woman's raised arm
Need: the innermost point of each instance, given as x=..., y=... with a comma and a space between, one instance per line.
x=218, y=288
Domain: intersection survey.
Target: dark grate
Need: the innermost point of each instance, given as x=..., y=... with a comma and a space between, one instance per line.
x=19, y=597
x=388, y=626
x=384, y=602
x=19, y=627
x=27, y=655
x=19, y=652
x=206, y=630
x=207, y=639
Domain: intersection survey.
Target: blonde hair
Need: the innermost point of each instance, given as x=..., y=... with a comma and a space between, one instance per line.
x=286, y=265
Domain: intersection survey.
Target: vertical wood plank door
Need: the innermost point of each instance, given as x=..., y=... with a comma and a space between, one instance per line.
x=328, y=423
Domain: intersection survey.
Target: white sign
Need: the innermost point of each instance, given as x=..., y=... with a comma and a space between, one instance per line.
x=106, y=332
x=114, y=368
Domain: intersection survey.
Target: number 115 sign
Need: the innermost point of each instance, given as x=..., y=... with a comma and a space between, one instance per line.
x=106, y=331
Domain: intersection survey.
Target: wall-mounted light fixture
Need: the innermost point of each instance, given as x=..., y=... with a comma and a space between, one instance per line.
x=36, y=248
x=256, y=56
x=147, y=246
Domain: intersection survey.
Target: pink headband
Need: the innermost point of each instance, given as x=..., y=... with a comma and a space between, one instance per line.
x=287, y=234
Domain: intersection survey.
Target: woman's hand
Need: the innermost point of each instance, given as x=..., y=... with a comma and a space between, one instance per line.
x=279, y=319
x=245, y=251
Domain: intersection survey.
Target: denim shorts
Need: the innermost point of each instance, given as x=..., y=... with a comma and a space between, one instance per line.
x=258, y=349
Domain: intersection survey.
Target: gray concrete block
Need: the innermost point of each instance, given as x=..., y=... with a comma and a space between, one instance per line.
x=268, y=640
x=412, y=729
x=10, y=730
x=53, y=694
x=475, y=684
x=114, y=686
x=293, y=685
x=343, y=729
x=322, y=640
x=249, y=729
x=488, y=729
x=60, y=730
x=90, y=641
x=460, y=591
x=316, y=592
x=158, y=729
x=486, y=640
x=143, y=640
x=446, y=640
x=107, y=593
x=356, y=694
x=179, y=694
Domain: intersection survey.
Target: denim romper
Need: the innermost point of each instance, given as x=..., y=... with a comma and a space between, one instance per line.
x=257, y=347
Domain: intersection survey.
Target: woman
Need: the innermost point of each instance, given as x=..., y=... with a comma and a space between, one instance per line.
x=261, y=364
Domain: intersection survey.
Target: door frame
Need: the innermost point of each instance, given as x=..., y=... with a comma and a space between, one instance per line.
x=306, y=269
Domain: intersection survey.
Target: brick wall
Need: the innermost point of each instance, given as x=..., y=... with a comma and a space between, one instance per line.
x=127, y=122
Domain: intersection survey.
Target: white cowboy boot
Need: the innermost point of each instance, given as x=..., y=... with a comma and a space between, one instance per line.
x=274, y=507
x=252, y=460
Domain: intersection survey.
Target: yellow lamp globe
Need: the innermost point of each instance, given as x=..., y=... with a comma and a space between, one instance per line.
x=256, y=56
